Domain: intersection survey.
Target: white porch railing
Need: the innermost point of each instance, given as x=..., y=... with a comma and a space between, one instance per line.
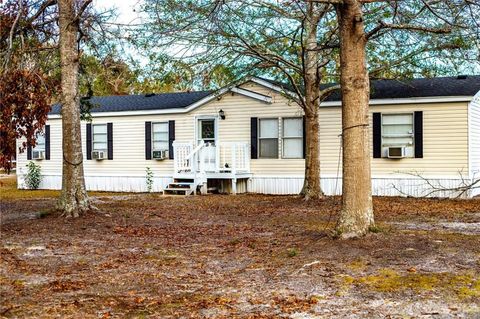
x=224, y=157
x=180, y=153
x=233, y=157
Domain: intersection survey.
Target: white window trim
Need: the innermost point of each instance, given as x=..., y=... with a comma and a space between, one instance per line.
x=412, y=136
x=283, y=137
x=153, y=134
x=196, y=127
x=36, y=147
x=93, y=137
x=269, y=138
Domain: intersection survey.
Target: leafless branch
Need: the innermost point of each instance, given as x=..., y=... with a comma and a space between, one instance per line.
x=434, y=187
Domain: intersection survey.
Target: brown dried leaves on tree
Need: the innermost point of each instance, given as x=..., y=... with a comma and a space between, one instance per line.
x=24, y=105
x=25, y=88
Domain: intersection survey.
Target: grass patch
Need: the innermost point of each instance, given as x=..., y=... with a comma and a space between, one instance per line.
x=163, y=257
x=376, y=229
x=465, y=285
x=358, y=265
x=9, y=191
x=292, y=252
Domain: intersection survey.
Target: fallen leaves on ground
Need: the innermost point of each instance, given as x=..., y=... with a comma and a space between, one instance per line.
x=245, y=256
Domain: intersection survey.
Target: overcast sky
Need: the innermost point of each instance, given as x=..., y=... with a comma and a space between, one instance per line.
x=127, y=13
x=125, y=9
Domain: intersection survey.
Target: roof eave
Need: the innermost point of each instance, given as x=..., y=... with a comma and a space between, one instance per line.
x=208, y=98
x=422, y=100
x=410, y=100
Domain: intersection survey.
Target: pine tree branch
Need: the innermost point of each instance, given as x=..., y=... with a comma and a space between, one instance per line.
x=383, y=25
x=416, y=28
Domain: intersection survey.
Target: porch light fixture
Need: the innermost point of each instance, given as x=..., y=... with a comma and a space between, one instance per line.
x=221, y=113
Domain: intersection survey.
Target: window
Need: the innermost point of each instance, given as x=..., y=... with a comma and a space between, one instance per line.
x=99, y=137
x=206, y=131
x=397, y=131
x=292, y=138
x=268, y=138
x=160, y=136
x=40, y=146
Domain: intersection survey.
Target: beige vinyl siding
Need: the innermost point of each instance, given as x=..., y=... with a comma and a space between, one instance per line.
x=474, y=138
x=236, y=127
x=54, y=165
x=129, y=138
x=445, y=138
x=445, y=141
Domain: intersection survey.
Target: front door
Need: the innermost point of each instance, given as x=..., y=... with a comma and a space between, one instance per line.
x=206, y=132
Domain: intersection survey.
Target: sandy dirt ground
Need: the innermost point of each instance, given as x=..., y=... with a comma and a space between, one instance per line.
x=245, y=256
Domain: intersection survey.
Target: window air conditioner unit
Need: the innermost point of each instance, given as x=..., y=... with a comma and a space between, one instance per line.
x=98, y=155
x=396, y=152
x=38, y=155
x=160, y=155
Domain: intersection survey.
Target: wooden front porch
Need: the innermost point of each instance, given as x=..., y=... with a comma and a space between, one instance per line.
x=195, y=165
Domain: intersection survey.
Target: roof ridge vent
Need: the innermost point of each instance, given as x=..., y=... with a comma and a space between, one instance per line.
x=149, y=94
x=462, y=77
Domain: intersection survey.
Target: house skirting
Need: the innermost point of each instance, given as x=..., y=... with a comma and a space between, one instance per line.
x=105, y=183
x=285, y=185
x=381, y=186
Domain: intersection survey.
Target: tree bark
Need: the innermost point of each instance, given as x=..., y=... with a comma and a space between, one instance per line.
x=356, y=216
x=311, y=187
x=73, y=199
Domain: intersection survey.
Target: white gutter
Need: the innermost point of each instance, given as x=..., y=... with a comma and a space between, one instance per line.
x=410, y=100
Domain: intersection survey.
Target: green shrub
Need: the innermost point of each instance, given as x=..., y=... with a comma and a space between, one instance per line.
x=292, y=252
x=375, y=229
x=34, y=175
x=149, y=179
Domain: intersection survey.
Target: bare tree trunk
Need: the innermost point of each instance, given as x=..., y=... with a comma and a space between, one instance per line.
x=311, y=187
x=73, y=199
x=356, y=216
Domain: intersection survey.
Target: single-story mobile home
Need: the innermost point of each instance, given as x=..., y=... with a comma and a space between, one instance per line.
x=425, y=134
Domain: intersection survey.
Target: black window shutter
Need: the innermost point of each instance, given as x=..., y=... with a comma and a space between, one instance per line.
x=304, y=135
x=418, y=130
x=89, y=141
x=254, y=137
x=171, y=138
x=148, y=140
x=29, y=152
x=110, y=140
x=377, y=135
x=47, y=142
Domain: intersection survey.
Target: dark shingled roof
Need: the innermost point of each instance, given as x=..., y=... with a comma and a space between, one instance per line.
x=146, y=102
x=380, y=89
x=443, y=86
x=426, y=87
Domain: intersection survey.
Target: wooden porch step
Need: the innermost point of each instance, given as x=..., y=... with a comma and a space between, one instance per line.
x=180, y=188
x=180, y=185
x=177, y=191
x=184, y=180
